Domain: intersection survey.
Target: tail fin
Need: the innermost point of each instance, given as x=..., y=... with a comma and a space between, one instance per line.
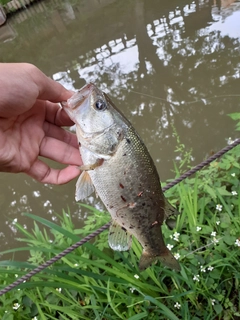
x=166, y=258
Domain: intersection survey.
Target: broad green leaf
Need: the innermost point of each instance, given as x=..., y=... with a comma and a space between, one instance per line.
x=223, y=192
x=234, y=116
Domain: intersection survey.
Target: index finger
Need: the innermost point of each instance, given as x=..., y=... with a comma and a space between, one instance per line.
x=48, y=89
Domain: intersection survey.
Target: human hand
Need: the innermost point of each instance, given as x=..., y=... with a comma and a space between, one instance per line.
x=30, y=125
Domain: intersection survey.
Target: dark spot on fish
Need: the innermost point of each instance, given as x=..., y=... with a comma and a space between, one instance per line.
x=124, y=154
x=140, y=194
x=111, y=233
x=124, y=172
x=79, y=143
x=123, y=199
x=131, y=227
x=143, y=204
x=111, y=207
x=121, y=186
x=128, y=140
x=123, y=229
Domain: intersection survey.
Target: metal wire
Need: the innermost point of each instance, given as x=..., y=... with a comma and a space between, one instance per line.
x=54, y=259
x=202, y=164
x=106, y=226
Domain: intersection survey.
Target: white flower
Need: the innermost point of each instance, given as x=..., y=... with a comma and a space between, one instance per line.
x=213, y=234
x=237, y=242
x=213, y=301
x=177, y=256
x=196, y=278
x=233, y=174
x=16, y=306
x=215, y=240
x=198, y=228
x=230, y=141
x=219, y=207
x=176, y=236
x=136, y=276
x=132, y=289
x=16, y=275
x=218, y=222
x=177, y=305
x=234, y=193
x=202, y=269
x=59, y=289
x=210, y=268
x=35, y=318
x=76, y=264
x=169, y=246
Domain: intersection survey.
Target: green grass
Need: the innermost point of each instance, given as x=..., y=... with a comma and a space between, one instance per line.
x=94, y=282
x=4, y=1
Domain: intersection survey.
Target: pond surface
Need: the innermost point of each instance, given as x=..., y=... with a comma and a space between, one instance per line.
x=163, y=63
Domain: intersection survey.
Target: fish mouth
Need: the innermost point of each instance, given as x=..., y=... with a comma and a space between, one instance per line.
x=79, y=97
x=79, y=100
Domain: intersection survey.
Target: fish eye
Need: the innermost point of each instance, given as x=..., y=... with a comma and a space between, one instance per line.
x=100, y=105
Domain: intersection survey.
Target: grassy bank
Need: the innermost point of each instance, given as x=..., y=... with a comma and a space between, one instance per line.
x=93, y=282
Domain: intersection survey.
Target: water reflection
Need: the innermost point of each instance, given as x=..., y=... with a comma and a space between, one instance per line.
x=163, y=62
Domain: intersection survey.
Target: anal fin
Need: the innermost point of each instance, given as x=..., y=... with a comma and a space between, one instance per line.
x=119, y=238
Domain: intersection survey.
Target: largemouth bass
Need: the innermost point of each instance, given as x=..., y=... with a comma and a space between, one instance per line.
x=118, y=166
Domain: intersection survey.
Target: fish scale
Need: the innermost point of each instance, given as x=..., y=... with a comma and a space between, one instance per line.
x=119, y=167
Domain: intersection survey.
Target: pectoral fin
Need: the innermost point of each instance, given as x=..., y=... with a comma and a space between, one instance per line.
x=93, y=166
x=119, y=238
x=84, y=186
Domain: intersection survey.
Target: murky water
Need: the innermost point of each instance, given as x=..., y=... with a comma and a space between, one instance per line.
x=162, y=62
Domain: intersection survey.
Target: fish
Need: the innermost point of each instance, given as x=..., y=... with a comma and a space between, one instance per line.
x=119, y=168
